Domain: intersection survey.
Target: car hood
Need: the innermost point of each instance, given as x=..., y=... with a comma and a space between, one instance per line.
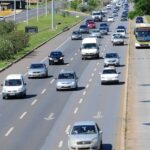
x=56, y=57
x=110, y=59
x=12, y=88
x=83, y=137
x=109, y=75
x=65, y=81
x=36, y=70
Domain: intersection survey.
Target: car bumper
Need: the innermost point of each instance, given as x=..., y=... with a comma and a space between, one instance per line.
x=66, y=87
x=104, y=81
x=36, y=75
x=17, y=94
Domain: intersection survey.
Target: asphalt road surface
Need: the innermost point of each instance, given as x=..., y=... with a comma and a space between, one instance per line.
x=42, y=120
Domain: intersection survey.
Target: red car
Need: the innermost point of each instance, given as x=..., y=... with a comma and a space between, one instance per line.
x=91, y=25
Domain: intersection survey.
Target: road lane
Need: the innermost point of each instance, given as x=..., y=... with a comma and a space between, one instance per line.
x=32, y=131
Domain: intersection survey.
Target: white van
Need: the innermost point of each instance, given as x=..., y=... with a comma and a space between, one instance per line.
x=14, y=86
x=89, y=48
x=97, y=16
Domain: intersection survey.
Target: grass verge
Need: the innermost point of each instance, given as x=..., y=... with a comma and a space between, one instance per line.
x=44, y=32
x=148, y=19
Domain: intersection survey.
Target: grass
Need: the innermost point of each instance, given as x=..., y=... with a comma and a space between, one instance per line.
x=44, y=31
x=148, y=19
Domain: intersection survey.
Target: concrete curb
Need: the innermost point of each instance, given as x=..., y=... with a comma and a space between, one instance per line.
x=15, y=61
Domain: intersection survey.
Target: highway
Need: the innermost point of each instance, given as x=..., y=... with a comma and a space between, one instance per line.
x=42, y=120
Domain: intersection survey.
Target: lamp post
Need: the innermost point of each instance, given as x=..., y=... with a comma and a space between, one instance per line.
x=14, y=11
x=37, y=10
x=27, y=12
x=52, y=10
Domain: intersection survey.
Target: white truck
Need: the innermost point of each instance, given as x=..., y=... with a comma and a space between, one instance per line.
x=97, y=16
x=89, y=48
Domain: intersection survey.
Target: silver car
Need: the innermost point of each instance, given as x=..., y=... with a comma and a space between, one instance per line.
x=95, y=33
x=37, y=70
x=66, y=80
x=111, y=59
x=85, y=135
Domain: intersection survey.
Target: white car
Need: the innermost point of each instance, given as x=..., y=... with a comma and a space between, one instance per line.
x=122, y=32
x=110, y=19
x=85, y=135
x=14, y=86
x=117, y=39
x=109, y=75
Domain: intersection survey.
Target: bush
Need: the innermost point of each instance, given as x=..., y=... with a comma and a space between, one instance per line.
x=6, y=27
x=132, y=14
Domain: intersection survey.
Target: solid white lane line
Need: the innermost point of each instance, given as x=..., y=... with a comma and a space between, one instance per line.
x=52, y=81
x=76, y=110
x=60, y=144
x=67, y=129
x=34, y=102
x=21, y=117
x=90, y=79
x=80, y=101
x=9, y=131
x=43, y=91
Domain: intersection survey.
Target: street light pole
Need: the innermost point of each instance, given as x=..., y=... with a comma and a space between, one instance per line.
x=52, y=9
x=14, y=11
x=27, y=12
x=46, y=8
x=37, y=10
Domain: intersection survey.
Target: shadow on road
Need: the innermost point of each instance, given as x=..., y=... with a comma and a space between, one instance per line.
x=107, y=147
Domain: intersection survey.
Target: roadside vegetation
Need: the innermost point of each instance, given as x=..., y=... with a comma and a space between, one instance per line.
x=16, y=42
x=141, y=8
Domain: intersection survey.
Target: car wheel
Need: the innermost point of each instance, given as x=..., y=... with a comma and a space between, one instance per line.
x=50, y=63
x=101, y=146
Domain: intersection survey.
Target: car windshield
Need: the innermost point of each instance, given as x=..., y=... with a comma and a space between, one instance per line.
x=109, y=71
x=83, y=26
x=111, y=55
x=84, y=129
x=96, y=14
x=120, y=30
x=55, y=54
x=35, y=66
x=13, y=82
x=76, y=32
x=95, y=31
x=89, y=46
x=66, y=76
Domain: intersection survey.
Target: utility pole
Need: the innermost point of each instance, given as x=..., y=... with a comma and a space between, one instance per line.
x=52, y=11
x=37, y=10
x=46, y=12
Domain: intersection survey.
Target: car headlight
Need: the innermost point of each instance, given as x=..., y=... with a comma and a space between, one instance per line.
x=94, y=140
x=50, y=58
x=61, y=57
x=20, y=89
x=4, y=90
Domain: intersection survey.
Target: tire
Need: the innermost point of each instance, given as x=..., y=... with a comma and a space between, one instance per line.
x=101, y=147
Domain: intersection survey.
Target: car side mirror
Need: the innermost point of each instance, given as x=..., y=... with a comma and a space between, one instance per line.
x=100, y=132
x=119, y=72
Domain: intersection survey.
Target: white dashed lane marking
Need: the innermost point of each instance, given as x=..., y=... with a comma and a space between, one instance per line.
x=34, y=102
x=67, y=129
x=51, y=82
x=60, y=144
x=43, y=91
x=90, y=80
x=23, y=115
x=9, y=131
x=84, y=92
x=76, y=110
x=81, y=100
x=87, y=86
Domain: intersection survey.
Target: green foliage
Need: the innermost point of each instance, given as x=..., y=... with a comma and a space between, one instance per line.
x=6, y=27
x=11, y=41
x=132, y=14
x=74, y=4
x=142, y=7
x=83, y=8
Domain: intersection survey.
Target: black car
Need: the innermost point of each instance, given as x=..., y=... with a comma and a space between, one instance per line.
x=84, y=29
x=56, y=57
x=139, y=19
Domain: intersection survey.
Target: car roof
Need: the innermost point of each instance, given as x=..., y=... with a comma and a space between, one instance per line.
x=67, y=71
x=84, y=123
x=14, y=76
